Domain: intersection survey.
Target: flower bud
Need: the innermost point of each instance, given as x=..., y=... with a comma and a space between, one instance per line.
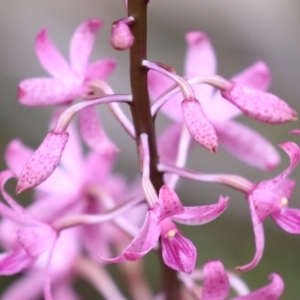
x=121, y=37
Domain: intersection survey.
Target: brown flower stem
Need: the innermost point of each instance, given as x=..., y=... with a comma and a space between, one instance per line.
x=142, y=118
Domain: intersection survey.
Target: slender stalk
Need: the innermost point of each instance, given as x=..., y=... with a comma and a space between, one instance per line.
x=141, y=115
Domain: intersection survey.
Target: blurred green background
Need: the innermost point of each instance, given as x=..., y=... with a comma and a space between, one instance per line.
x=242, y=32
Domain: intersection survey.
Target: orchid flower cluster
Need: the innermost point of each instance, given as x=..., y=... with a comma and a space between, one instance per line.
x=84, y=216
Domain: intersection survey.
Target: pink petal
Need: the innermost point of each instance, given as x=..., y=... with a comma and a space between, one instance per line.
x=168, y=142
x=43, y=162
x=247, y=145
x=198, y=125
x=273, y=291
x=285, y=188
x=64, y=291
x=259, y=240
x=81, y=45
x=15, y=262
x=16, y=155
x=93, y=133
x=259, y=105
x=29, y=287
x=198, y=215
x=263, y=202
x=47, y=91
x=36, y=240
x=288, y=219
x=200, y=60
x=293, y=151
x=179, y=253
x=215, y=283
x=51, y=59
x=256, y=76
x=200, y=56
x=158, y=84
x=143, y=242
x=169, y=203
x=100, y=69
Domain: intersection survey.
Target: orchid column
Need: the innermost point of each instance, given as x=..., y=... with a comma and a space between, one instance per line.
x=141, y=114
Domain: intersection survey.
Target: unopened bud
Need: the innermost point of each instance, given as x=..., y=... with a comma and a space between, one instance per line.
x=121, y=36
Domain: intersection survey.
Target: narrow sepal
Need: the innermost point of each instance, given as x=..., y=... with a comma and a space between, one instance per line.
x=259, y=105
x=198, y=125
x=198, y=215
x=259, y=240
x=43, y=161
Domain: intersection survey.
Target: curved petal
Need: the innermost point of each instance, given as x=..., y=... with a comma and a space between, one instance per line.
x=169, y=203
x=198, y=215
x=215, y=283
x=293, y=151
x=64, y=291
x=272, y=291
x=47, y=91
x=81, y=45
x=16, y=154
x=288, y=219
x=93, y=133
x=198, y=125
x=144, y=241
x=256, y=76
x=262, y=106
x=247, y=145
x=51, y=59
x=179, y=253
x=259, y=240
x=43, y=161
x=100, y=69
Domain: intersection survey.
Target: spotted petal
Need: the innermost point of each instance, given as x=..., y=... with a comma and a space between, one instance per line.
x=198, y=125
x=47, y=91
x=82, y=44
x=264, y=107
x=256, y=77
x=215, y=283
x=43, y=161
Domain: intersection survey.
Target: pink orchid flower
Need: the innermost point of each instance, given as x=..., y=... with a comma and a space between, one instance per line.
x=77, y=180
x=216, y=285
x=178, y=252
x=243, y=142
x=70, y=82
x=271, y=197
